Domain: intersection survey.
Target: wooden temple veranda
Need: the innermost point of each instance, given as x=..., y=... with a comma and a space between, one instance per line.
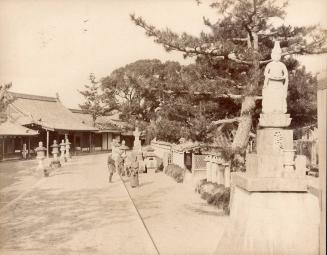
x=48, y=120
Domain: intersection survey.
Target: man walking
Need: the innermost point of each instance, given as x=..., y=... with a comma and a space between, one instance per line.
x=111, y=167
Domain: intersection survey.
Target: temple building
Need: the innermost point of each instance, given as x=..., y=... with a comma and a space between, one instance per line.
x=51, y=120
x=15, y=140
x=107, y=129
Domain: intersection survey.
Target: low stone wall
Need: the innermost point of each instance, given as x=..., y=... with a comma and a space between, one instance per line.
x=217, y=170
x=162, y=150
x=178, y=158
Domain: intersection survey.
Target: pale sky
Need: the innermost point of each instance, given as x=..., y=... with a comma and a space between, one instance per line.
x=49, y=46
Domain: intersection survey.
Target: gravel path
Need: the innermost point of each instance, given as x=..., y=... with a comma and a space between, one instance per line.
x=178, y=220
x=75, y=211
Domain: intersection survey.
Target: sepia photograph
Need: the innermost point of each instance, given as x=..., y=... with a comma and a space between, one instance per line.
x=171, y=127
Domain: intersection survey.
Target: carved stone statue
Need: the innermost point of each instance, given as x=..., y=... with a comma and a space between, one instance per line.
x=275, y=86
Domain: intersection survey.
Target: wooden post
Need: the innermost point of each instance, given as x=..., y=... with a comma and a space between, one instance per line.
x=74, y=143
x=90, y=140
x=107, y=141
x=47, y=143
x=3, y=148
x=29, y=147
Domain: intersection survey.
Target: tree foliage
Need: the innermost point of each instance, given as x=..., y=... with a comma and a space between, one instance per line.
x=170, y=94
x=234, y=53
x=5, y=99
x=95, y=103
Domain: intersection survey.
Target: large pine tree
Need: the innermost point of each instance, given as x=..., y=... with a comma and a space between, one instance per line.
x=238, y=48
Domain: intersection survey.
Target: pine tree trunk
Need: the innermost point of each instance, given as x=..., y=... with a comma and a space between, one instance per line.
x=241, y=137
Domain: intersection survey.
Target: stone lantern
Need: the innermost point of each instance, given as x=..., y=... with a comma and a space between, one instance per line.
x=67, y=144
x=40, y=155
x=55, y=151
x=62, y=151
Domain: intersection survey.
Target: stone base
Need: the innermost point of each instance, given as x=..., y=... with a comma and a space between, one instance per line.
x=274, y=120
x=55, y=164
x=274, y=223
x=151, y=170
x=269, y=184
x=141, y=166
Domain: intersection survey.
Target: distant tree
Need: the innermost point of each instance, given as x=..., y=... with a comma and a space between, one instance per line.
x=237, y=49
x=5, y=99
x=95, y=104
x=302, y=95
x=130, y=88
x=170, y=93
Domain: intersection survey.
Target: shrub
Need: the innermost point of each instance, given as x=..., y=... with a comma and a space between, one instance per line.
x=176, y=172
x=214, y=194
x=160, y=165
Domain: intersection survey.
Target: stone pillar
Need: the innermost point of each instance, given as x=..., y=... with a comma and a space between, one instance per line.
x=209, y=164
x=227, y=174
x=137, y=143
x=214, y=169
x=220, y=174
x=62, y=151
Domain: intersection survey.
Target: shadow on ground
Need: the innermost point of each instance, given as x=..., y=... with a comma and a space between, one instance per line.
x=45, y=217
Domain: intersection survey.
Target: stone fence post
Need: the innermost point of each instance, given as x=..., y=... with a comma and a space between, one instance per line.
x=226, y=174
x=208, y=166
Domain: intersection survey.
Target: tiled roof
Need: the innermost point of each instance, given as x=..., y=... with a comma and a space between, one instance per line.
x=47, y=112
x=9, y=128
x=109, y=122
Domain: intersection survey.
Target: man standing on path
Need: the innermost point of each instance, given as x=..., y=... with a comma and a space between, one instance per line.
x=111, y=167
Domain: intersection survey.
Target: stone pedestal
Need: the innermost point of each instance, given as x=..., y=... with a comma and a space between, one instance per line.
x=274, y=223
x=274, y=120
x=271, y=210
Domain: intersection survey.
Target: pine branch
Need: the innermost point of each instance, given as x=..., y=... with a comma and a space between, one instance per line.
x=189, y=45
x=224, y=121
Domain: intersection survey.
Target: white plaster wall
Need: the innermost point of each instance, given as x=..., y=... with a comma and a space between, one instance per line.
x=178, y=158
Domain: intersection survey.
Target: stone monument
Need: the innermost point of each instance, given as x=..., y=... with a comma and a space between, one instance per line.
x=137, y=148
x=271, y=211
x=137, y=142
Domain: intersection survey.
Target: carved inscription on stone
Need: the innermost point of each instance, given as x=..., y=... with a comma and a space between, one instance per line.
x=278, y=142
